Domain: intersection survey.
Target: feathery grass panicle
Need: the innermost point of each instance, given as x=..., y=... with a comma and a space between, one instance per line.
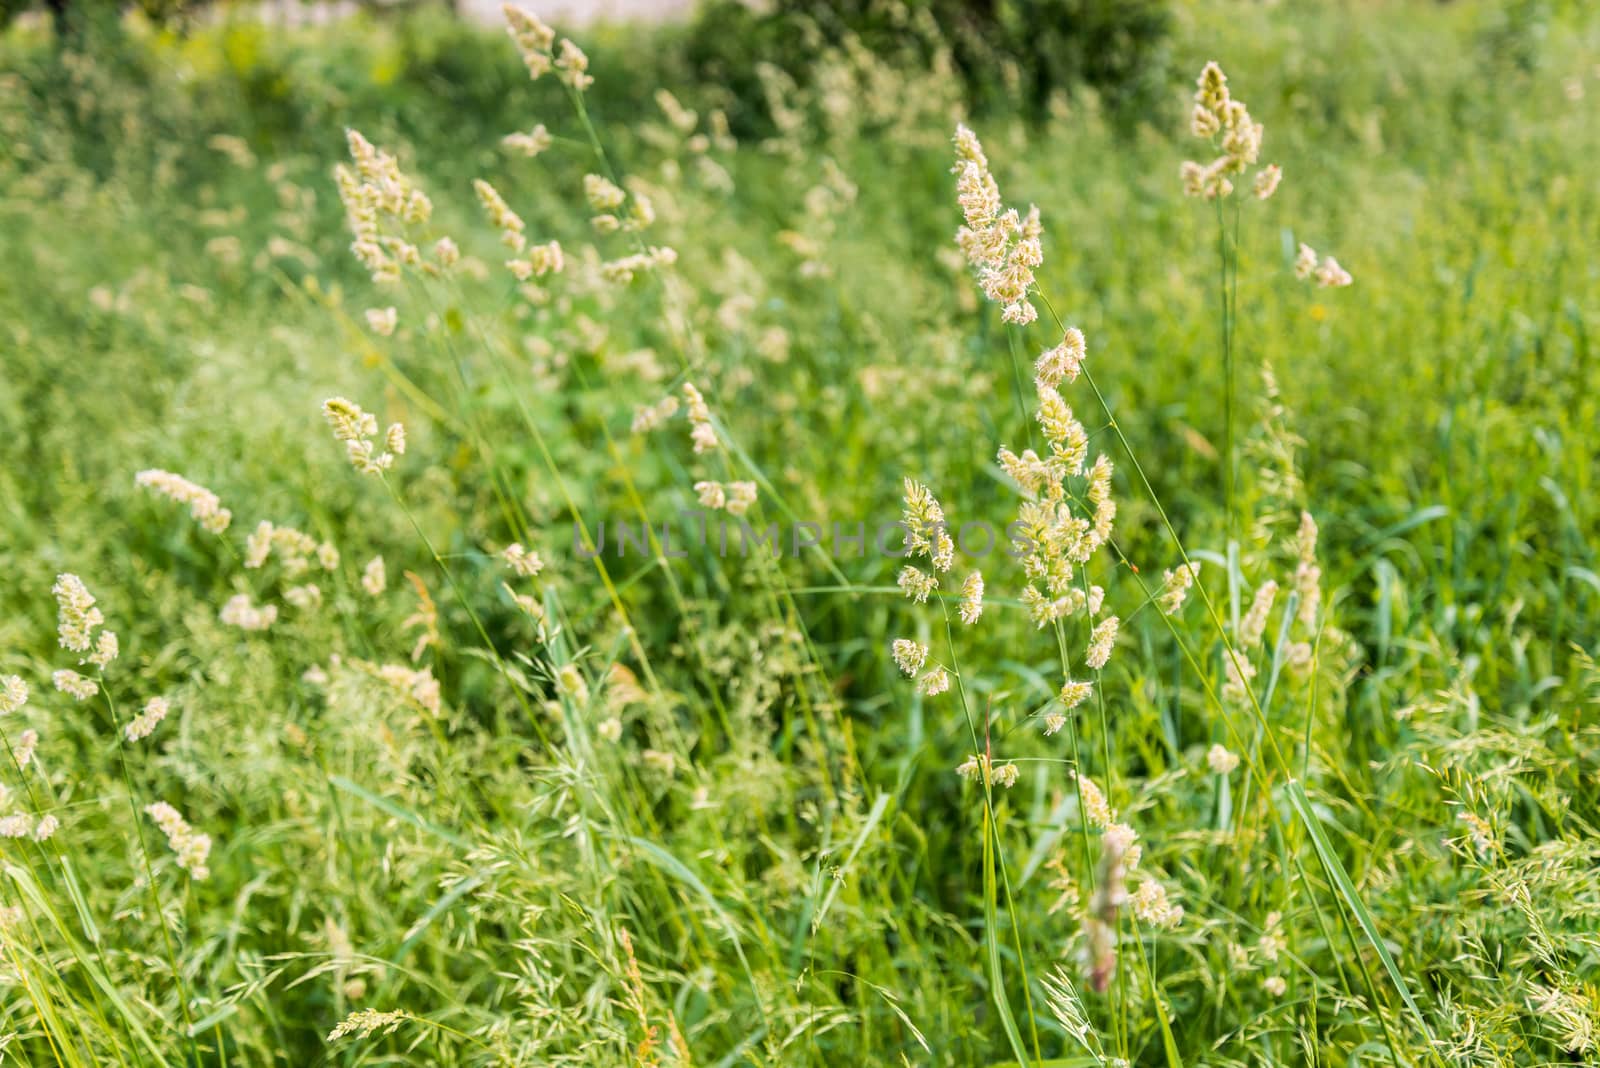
x=533, y=38
x=1481, y=832
x=711, y=495
x=1330, y=275
x=78, y=617
x=106, y=648
x=508, y=222
x=972, y=598
x=13, y=694
x=741, y=496
x=916, y=583
x=74, y=685
x=1305, y=262
x=524, y=562
x=735, y=497
x=357, y=429
x=1324, y=270
x=1061, y=363
x=1266, y=181
x=1151, y=905
x=191, y=846
x=924, y=522
x=425, y=620
x=446, y=253
x=383, y=321
x=934, y=682
x=701, y=432
x=1102, y=639
x=365, y=1023
x=978, y=768
x=571, y=65
x=144, y=724
x=1074, y=693
x=541, y=54
x=1308, y=574
x=1253, y=625
x=381, y=205
x=602, y=194
x=538, y=261
x=1225, y=124
x=374, y=579
x=419, y=686
x=1002, y=246
x=1099, y=956
x=348, y=420
x=1096, y=809
x=1066, y=1005
x=1057, y=540
x=22, y=751
x=241, y=611
x=529, y=144
x=909, y=655
x=1221, y=761
x=204, y=506
x=295, y=550
x=647, y=417
x=623, y=270
x=1175, y=587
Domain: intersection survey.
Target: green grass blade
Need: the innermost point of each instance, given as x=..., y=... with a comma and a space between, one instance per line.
x=399, y=812
x=991, y=929
x=1341, y=879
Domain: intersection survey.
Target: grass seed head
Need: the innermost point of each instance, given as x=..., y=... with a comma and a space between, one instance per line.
x=191, y=846
x=74, y=685
x=144, y=724
x=13, y=694
x=204, y=506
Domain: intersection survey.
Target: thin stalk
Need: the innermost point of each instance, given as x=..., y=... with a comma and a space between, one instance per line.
x=992, y=827
x=149, y=870
x=472, y=613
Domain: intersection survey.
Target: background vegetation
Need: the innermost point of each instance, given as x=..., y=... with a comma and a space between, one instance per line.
x=698, y=799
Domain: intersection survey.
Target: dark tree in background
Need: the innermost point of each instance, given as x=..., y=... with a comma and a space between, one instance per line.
x=70, y=17
x=1116, y=47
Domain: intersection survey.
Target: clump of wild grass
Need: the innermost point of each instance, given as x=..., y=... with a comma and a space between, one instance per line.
x=1249, y=766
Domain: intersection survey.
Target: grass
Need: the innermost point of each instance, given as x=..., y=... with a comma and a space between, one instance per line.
x=685, y=809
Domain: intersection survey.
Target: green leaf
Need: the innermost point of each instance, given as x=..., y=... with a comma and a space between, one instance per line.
x=991, y=927
x=1341, y=880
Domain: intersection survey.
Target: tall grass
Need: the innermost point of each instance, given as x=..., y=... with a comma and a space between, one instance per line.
x=479, y=792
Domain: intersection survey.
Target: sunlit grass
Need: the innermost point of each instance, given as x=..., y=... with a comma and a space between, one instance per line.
x=1295, y=764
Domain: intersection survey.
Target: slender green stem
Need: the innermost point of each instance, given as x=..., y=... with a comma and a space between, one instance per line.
x=149, y=869
x=472, y=613
x=992, y=828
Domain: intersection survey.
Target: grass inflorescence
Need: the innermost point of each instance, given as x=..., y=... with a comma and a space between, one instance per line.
x=421, y=728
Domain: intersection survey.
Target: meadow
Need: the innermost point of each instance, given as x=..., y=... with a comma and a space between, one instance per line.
x=1268, y=734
